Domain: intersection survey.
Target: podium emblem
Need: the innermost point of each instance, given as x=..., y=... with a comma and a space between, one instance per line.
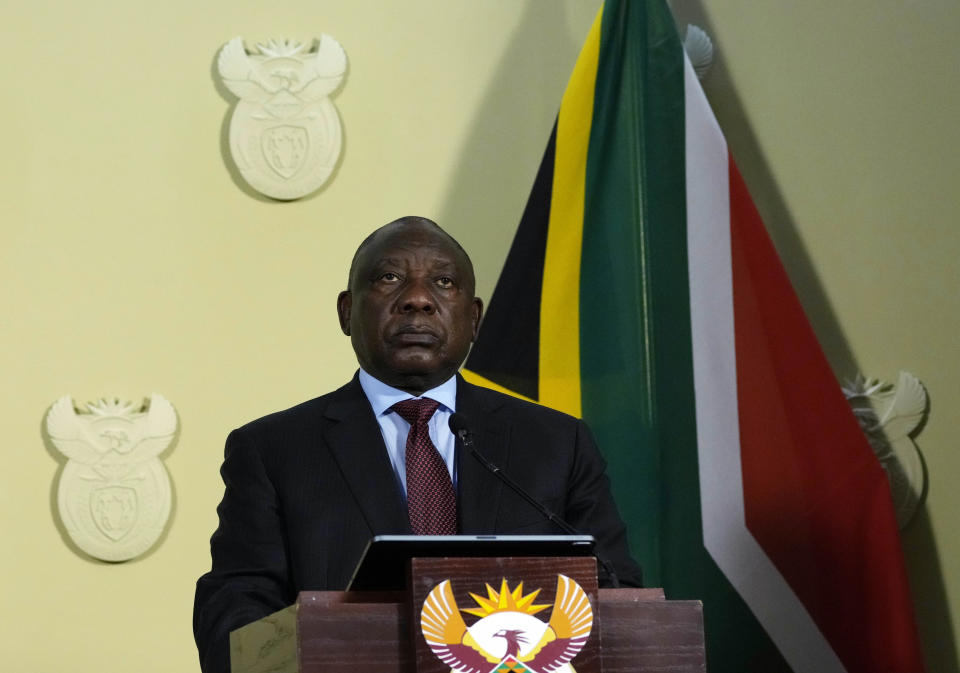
x=507, y=637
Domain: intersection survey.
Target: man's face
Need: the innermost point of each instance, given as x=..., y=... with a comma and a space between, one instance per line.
x=410, y=311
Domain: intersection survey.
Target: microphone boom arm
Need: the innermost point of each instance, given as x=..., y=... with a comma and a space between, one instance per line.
x=459, y=427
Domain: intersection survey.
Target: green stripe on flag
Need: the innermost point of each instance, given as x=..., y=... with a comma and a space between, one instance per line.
x=635, y=203
x=636, y=360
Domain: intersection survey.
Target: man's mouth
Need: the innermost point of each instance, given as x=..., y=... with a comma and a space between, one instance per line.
x=415, y=335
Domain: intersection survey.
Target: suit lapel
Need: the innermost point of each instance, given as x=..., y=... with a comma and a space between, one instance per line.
x=356, y=443
x=479, y=490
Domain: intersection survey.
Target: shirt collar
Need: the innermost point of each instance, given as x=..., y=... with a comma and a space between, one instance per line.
x=382, y=396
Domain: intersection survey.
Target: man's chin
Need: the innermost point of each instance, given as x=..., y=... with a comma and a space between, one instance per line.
x=414, y=361
x=419, y=372
x=436, y=375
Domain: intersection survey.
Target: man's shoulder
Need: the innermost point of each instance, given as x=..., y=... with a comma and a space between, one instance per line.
x=508, y=406
x=305, y=413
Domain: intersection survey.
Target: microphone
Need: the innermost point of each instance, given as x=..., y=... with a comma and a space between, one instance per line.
x=461, y=429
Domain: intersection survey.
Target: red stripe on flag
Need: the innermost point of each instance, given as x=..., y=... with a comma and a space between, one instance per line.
x=816, y=499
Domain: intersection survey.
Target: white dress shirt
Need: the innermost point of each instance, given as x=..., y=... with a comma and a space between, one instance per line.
x=395, y=430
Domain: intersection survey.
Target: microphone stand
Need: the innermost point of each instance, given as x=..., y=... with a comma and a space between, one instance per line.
x=460, y=429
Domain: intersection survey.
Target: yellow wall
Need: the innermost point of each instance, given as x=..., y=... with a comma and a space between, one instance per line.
x=132, y=261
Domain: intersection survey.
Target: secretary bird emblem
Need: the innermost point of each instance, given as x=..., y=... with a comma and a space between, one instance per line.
x=507, y=638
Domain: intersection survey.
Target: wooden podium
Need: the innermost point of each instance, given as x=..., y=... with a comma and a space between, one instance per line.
x=634, y=630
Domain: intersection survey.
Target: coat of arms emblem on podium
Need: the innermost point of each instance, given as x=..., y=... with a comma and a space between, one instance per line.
x=507, y=637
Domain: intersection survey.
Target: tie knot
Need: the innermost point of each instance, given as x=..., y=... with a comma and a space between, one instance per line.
x=416, y=411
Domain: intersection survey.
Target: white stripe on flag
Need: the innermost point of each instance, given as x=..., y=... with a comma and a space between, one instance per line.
x=725, y=533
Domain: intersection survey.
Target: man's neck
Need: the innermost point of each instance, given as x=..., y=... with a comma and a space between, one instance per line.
x=416, y=385
x=382, y=395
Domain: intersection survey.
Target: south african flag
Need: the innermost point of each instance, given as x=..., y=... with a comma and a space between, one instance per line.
x=643, y=294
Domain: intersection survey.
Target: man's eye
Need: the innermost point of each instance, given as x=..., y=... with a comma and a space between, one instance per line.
x=445, y=281
x=390, y=277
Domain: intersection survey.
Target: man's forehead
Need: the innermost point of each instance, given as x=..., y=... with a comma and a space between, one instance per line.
x=421, y=255
x=397, y=243
x=406, y=233
x=401, y=237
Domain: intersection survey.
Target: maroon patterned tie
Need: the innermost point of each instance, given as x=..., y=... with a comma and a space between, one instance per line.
x=431, y=502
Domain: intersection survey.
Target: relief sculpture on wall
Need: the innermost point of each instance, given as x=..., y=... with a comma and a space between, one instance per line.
x=891, y=415
x=114, y=492
x=285, y=134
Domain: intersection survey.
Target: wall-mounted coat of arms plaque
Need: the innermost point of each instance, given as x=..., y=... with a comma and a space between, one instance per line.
x=285, y=135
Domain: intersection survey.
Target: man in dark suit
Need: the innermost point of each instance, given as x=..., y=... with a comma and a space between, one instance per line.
x=306, y=488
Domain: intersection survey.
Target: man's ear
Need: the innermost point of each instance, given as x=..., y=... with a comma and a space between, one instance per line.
x=477, y=314
x=344, y=304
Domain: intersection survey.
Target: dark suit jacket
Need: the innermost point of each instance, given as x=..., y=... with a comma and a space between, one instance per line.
x=306, y=488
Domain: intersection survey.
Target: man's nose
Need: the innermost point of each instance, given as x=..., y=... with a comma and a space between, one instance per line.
x=417, y=296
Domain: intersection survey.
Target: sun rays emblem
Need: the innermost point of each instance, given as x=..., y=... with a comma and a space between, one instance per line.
x=507, y=637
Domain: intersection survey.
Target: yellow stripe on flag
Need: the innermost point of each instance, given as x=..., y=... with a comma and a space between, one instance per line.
x=559, y=384
x=477, y=380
